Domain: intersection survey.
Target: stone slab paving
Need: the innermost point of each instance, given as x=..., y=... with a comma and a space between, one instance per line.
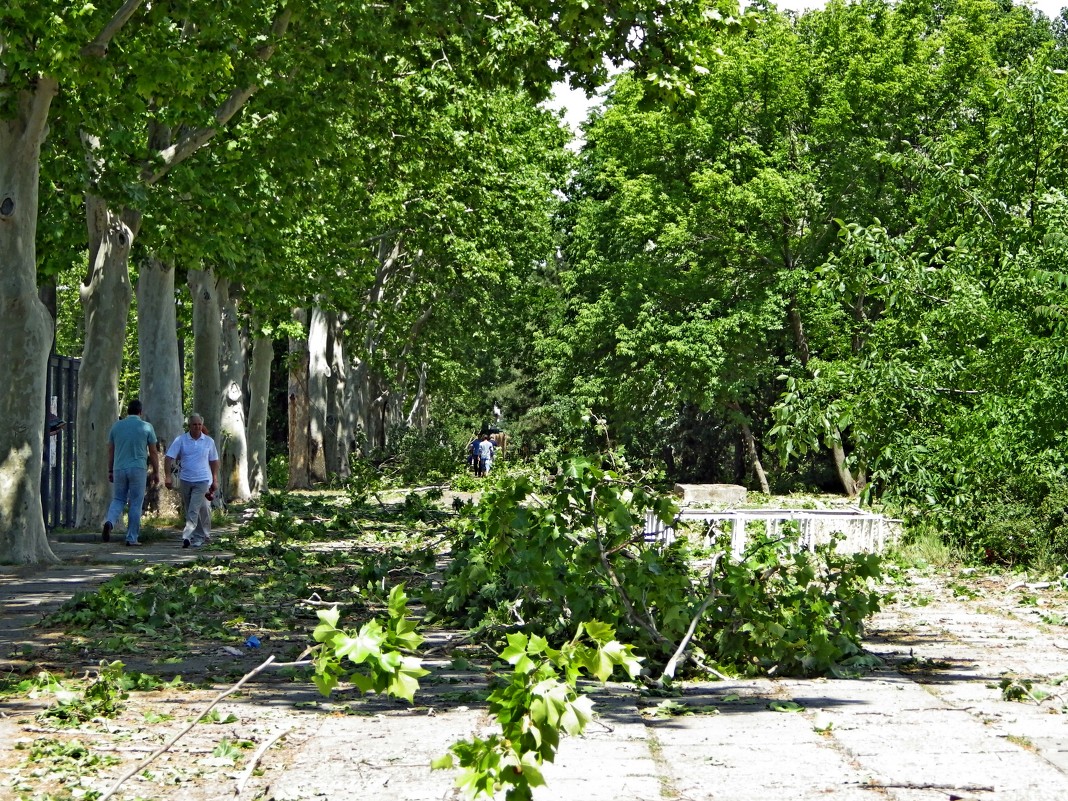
x=931, y=725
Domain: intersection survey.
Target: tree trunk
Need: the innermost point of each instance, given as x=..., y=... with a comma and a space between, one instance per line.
x=360, y=403
x=751, y=448
x=318, y=390
x=25, y=333
x=419, y=414
x=207, y=333
x=853, y=486
x=259, y=390
x=340, y=428
x=161, y=374
x=299, y=411
x=233, y=447
x=105, y=295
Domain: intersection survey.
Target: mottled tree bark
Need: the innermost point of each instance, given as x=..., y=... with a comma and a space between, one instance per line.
x=161, y=375
x=106, y=294
x=25, y=333
x=299, y=408
x=232, y=444
x=207, y=335
x=259, y=389
x=318, y=390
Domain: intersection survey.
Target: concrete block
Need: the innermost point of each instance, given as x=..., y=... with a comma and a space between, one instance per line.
x=711, y=494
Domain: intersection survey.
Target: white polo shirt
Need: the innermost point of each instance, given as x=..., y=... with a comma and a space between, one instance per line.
x=193, y=456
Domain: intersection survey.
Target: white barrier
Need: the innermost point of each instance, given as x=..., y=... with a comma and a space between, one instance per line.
x=861, y=531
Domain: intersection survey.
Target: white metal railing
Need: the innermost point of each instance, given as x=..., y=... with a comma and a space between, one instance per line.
x=860, y=530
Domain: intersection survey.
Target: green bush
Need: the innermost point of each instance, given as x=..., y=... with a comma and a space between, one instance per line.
x=1022, y=525
x=278, y=472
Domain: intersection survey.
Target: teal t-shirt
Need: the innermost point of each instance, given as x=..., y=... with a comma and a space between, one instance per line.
x=131, y=437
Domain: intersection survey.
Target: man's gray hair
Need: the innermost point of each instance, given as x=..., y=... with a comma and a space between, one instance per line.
x=195, y=418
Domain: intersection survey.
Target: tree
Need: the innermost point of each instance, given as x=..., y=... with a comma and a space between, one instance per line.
x=49, y=45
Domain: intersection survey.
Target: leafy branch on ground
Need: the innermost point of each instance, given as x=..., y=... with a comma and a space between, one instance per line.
x=535, y=557
x=533, y=704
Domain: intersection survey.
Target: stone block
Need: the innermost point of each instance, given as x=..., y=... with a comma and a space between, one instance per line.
x=711, y=494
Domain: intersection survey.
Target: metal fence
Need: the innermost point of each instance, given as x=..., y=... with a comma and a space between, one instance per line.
x=57, y=474
x=860, y=530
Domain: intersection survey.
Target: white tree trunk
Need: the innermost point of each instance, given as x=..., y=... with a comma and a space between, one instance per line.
x=26, y=332
x=299, y=411
x=318, y=390
x=161, y=375
x=339, y=412
x=157, y=345
x=359, y=402
x=419, y=414
x=259, y=389
x=233, y=447
x=105, y=295
x=207, y=333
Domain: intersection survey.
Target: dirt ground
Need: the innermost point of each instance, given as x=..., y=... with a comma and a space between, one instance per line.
x=967, y=704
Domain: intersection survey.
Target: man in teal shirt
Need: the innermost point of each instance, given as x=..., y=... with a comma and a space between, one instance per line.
x=131, y=446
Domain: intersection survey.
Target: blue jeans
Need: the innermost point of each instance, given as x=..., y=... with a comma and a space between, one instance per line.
x=197, y=513
x=128, y=486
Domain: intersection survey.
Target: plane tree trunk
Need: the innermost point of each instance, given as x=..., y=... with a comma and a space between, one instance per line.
x=259, y=390
x=161, y=377
x=233, y=446
x=105, y=295
x=207, y=335
x=26, y=332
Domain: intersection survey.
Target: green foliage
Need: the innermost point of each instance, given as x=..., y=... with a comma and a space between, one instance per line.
x=428, y=457
x=278, y=471
x=786, y=610
x=533, y=704
x=538, y=553
x=301, y=546
x=545, y=556
x=377, y=650
x=1021, y=525
x=66, y=756
x=103, y=697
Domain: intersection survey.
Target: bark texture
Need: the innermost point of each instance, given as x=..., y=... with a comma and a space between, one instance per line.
x=299, y=409
x=340, y=412
x=161, y=377
x=207, y=336
x=105, y=294
x=318, y=392
x=233, y=446
x=25, y=333
x=259, y=390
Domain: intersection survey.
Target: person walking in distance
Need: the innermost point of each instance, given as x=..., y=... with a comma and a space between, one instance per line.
x=131, y=448
x=198, y=470
x=486, y=449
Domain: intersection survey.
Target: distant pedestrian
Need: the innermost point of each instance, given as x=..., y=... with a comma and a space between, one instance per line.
x=131, y=449
x=486, y=449
x=472, y=455
x=198, y=470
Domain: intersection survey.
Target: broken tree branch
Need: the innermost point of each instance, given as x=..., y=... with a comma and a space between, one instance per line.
x=166, y=746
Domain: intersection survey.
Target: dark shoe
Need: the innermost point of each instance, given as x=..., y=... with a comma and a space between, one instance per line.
x=133, y=544
x=105, y=532
x=185, y=543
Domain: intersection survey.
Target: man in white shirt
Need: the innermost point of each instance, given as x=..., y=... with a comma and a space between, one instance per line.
x=198, y=470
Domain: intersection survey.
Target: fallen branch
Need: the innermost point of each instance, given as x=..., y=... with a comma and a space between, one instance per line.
x=669, y=669
x=256, y=758
x=166, y=746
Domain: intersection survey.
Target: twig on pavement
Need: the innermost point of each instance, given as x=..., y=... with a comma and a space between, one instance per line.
x=148, y=760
